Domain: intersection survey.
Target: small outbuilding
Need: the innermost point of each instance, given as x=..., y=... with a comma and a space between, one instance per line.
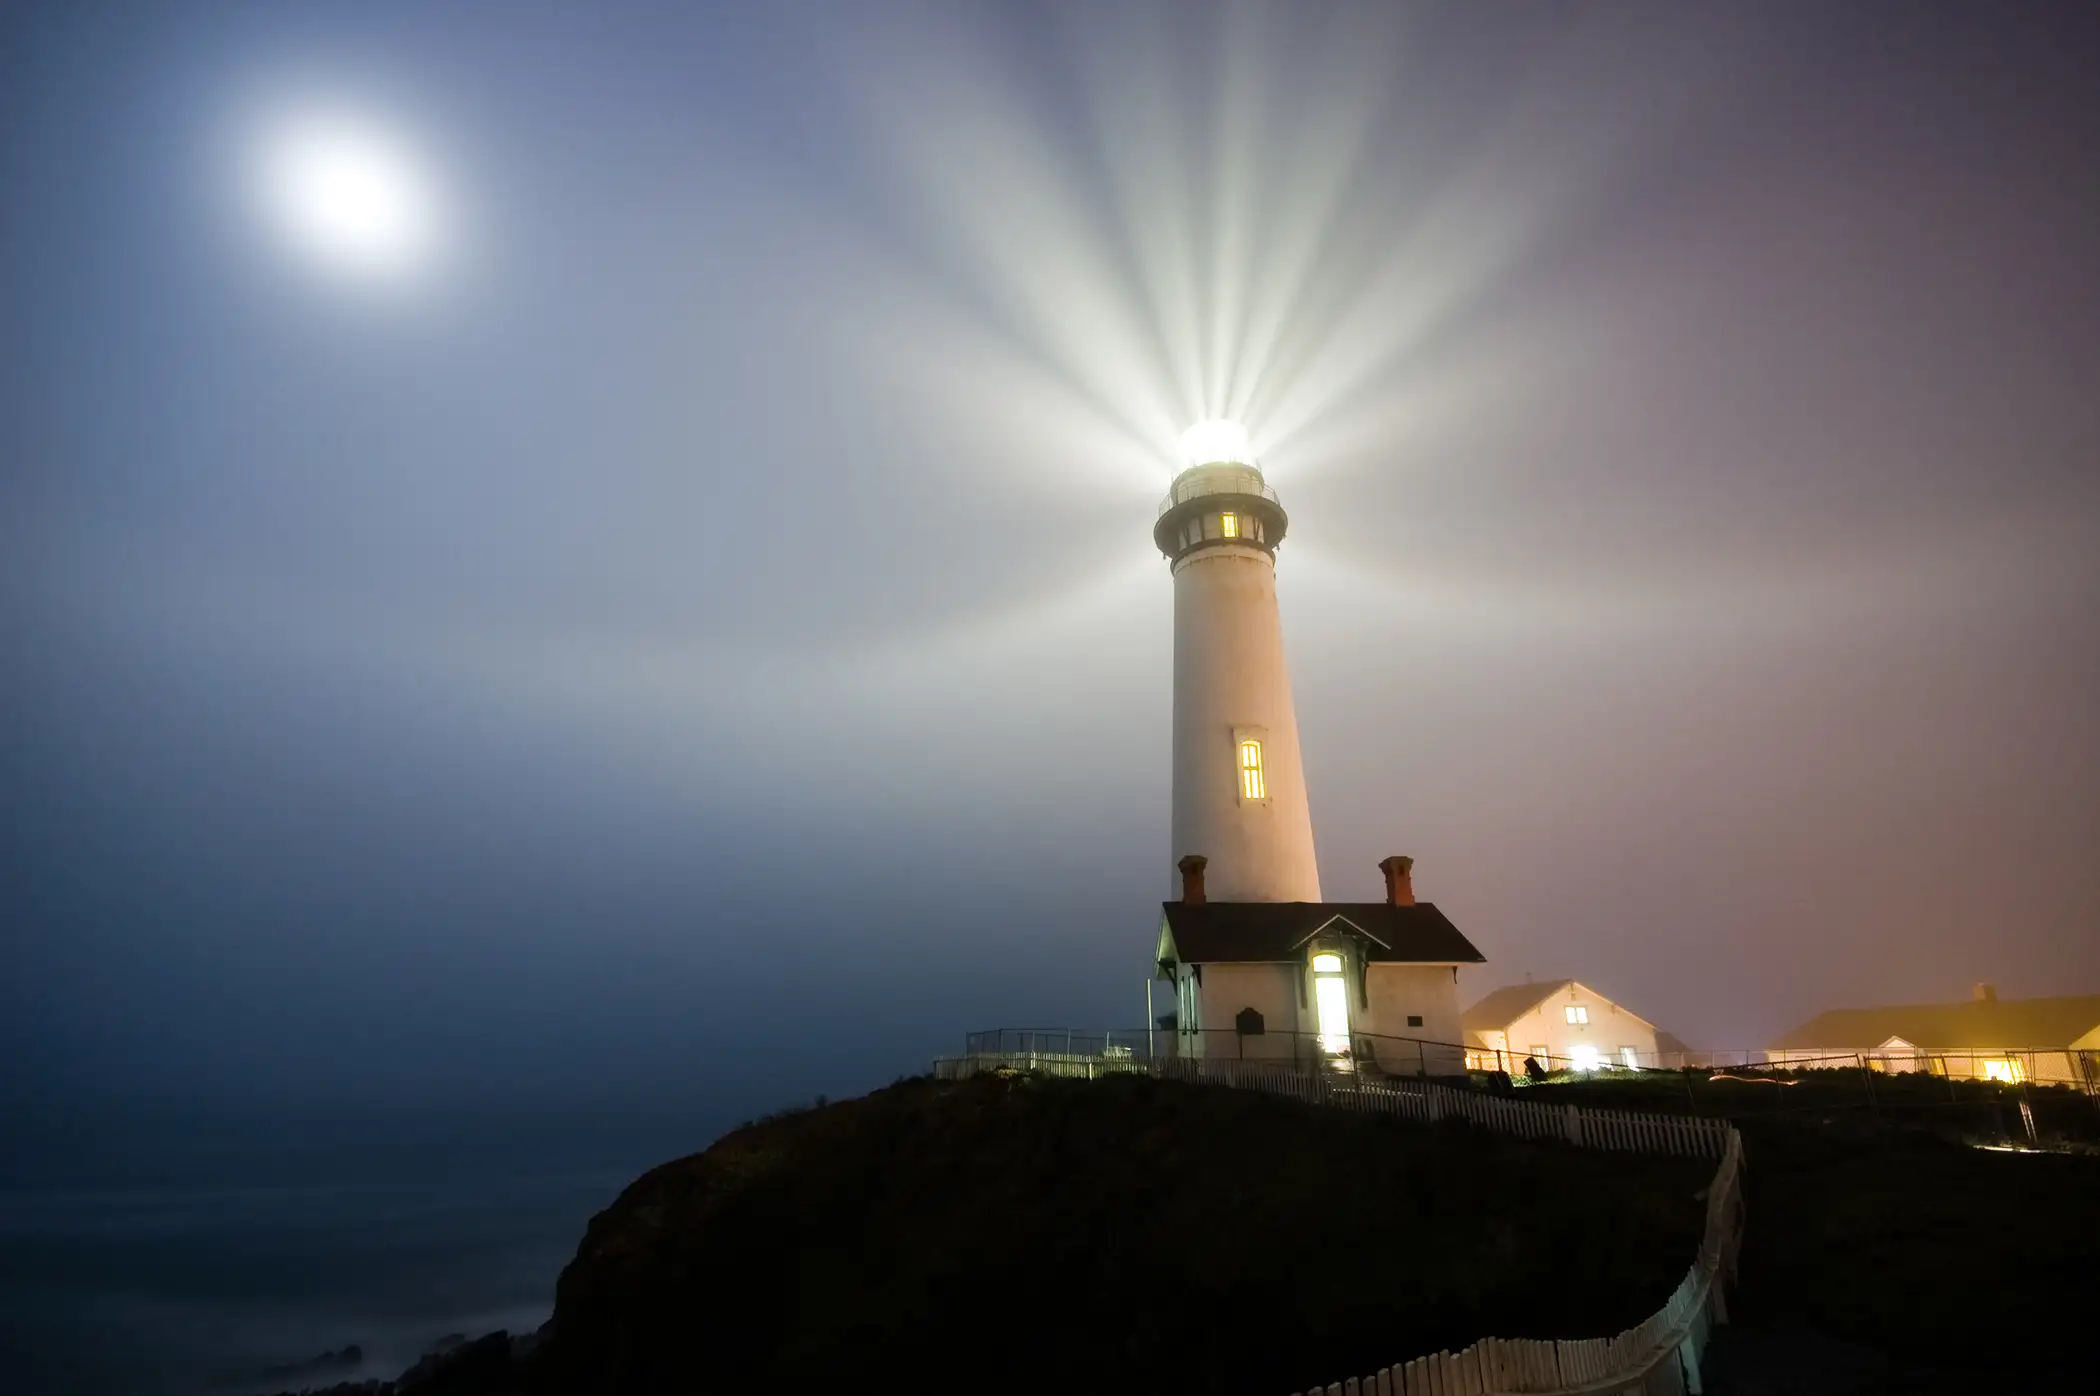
x=1563, y=1024
x=1362, y=982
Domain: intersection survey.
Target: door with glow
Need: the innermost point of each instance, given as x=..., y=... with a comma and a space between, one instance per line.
x=1331, y=998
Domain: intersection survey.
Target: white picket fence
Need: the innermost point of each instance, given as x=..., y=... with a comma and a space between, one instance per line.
x=1658, y=1357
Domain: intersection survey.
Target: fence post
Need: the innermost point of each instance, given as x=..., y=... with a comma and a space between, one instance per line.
x=1573, y=1118
x=1688, y=1354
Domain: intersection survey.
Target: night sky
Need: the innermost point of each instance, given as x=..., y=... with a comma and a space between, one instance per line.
x=698, y=635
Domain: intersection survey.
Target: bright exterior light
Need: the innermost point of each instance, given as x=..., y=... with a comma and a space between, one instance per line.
x=1331, y=998
x=346, y=193
x=1252, y=785
x=2006, y=1069
x=1583, y=1056
x=1216, y=442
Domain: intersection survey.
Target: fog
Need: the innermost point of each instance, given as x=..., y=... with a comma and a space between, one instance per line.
x=698, y=643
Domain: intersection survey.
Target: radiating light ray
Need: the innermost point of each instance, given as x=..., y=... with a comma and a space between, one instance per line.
x=1136, y=123
x=1231, y=240
x=1075, y=249
x=997, y=193
x=1168, y=302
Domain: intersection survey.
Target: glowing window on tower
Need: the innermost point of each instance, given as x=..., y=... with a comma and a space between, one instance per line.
x=1252, y=786
x=1229, y=525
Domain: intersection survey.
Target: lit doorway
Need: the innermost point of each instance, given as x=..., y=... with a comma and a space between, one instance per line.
x=1331, y=997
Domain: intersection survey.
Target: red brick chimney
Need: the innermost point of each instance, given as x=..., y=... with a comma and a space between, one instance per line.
x=1192, y=878
x=1399, y=880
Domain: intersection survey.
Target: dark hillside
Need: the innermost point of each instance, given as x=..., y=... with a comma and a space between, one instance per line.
x=1019, y=1234
x=1882, y=1255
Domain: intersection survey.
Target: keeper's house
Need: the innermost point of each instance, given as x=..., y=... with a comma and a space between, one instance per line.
x=1562, y=1024
x=1987, y=1038
x=1357, y=982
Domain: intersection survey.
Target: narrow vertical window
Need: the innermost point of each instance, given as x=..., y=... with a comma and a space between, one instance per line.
x=1229, y=525
x=1252, y=786
x=1331, y=1000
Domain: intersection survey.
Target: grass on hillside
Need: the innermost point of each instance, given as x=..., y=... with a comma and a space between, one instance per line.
x=1021, y=1234
x=1883, y=1253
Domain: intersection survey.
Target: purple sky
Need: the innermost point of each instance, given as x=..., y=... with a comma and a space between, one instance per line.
x=709, y=638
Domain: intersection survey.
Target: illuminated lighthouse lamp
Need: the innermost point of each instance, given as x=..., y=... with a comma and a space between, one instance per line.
x=1216, y=442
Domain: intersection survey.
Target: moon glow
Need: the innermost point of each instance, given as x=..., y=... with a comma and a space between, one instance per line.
x=346, y=194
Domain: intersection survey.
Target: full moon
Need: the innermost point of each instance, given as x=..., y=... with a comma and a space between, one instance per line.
x=346, y=193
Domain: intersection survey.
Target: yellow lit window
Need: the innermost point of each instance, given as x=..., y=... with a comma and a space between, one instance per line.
x=2002, y=1069
x=1229, y=525
x=1331, y=1001
x=1252, y=786
x=1577, y=1013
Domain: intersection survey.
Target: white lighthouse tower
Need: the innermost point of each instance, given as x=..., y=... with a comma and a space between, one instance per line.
x=1239, y=781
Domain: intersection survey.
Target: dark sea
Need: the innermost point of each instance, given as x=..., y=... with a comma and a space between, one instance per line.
x=238, y=1259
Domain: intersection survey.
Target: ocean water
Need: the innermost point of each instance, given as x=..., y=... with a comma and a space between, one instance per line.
x=196, y=1285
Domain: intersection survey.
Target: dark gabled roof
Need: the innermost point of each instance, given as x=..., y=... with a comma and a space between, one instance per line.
x=2053, y=1022
x=1509, y=1003
x=1253, y=932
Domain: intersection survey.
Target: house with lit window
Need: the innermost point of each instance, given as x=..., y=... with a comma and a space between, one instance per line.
x=1564, y=1024
x=1332, y=982
x=1985, y=1038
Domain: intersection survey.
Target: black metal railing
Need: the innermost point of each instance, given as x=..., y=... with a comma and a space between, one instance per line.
x=1311, y=1051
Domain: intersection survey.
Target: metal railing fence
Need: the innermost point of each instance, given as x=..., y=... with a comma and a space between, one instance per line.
x=1428, y=1056
x=1224, y=479
x=2024, y=1111
x=1407, y=1056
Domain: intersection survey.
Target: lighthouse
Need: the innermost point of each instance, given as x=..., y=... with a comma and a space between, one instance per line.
x=1262, y=966
x=1239, y=778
